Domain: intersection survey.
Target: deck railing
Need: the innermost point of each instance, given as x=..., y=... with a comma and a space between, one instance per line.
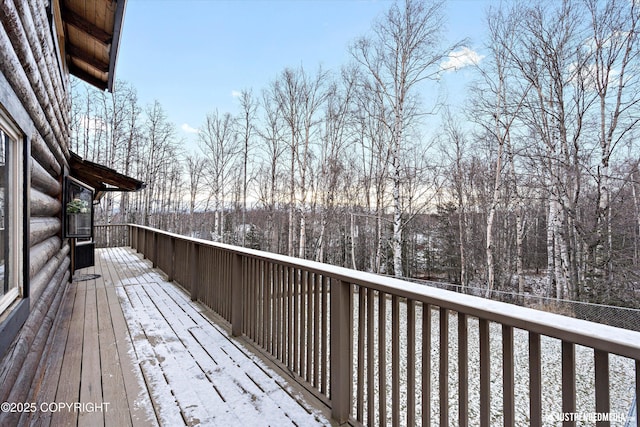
x=111, y=235
x=378, y=350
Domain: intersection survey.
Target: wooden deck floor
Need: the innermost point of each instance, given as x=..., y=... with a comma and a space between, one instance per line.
x=131, y=349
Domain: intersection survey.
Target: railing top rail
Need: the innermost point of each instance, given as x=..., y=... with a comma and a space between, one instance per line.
x=590, y=334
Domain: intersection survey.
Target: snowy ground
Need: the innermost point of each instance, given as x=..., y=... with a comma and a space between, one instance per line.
x=622, y=373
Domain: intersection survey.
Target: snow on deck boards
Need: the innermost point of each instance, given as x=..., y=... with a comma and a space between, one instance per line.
x=136, y=342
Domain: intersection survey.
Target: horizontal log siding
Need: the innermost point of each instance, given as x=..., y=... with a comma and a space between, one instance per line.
x=43, y=181
x=42, y=228
x=33, y=92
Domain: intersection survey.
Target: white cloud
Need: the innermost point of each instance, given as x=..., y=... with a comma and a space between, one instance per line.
x=185, y=127
x=460, y=59
x=236, y=93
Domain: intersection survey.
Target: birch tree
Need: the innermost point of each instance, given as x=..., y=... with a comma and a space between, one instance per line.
x=499, y=99
x=402, y=52
x=218, y=142
x=246, y=130
x=333, y=151
x=547, y=54
x=313, y=95
x=286, y=90
x=613, y=73
x=117, y=110
x=195, y=167
x=156, y=149
x=273, y=146
x=374, y=153
x=129, y=155
x=456, y=141
x=299, y=96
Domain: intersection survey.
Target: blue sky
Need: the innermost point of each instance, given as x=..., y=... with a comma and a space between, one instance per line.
x=192, y=55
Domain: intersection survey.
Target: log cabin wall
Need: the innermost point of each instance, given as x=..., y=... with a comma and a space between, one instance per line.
x=33, y=94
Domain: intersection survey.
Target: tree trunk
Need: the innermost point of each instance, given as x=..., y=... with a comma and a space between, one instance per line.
x=397, y=202
x=636, y=228
x=551, y=258
x=292, y=200
x=303, y=235
x=520, y=227
x=352, y=226
x=490, y=246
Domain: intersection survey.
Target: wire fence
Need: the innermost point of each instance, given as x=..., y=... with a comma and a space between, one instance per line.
x=621, y=317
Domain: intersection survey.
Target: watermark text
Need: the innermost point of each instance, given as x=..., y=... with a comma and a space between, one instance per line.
x=589, y=417
x=77, y=407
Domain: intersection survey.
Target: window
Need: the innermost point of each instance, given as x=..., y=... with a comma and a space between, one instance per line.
x=11, y=213
x=78, y=209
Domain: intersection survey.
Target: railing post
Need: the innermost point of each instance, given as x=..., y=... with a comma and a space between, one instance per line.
x=568, y=380
x=154, y=243
x=603, y=401
x=135, y=238
x=444, y=366
x=194, y=258
x=341, y=332
x=485, y=373
x=535, y=380
x=237, y=297
x=172, y=262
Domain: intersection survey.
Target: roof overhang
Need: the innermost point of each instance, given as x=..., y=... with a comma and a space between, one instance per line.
x=102, y=178
x=91, y=38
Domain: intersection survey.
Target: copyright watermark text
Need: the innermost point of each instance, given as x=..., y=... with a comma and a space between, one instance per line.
x=78, y=407
x=590, y=417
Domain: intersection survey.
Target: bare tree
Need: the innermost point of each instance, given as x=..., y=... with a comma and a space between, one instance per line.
x=273, y=146
x=218, y=139
x=403, y=51
x=335, y=140
x=300, y=96
x=372, y=136
x=500, y=98
x=544, y=51
x=286, y=90
x=129, y=156
x=456, y=139
x=104, y=127
x=612, y=72
x=195, y=169
x=157, y=148
x=246, y=129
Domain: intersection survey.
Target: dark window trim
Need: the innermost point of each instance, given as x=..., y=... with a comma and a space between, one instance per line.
x=66, y=197
x=26, y=215
x=5, y=140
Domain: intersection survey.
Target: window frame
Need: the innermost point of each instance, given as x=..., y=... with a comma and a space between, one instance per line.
x=71, y=184
x=15, y=211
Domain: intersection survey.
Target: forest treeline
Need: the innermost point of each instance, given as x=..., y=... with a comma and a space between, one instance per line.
x=537, y=176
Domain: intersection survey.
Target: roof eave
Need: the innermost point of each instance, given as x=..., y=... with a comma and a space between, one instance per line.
x=115, y=44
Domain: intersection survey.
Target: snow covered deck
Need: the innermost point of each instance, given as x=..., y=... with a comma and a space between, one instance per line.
x=129, y=348
x=375, y=350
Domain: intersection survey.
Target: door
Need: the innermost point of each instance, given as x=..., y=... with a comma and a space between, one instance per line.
x=78, y=222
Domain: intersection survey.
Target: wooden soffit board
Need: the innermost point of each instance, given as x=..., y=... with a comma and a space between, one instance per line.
x=102, y=178
x=92, y=35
